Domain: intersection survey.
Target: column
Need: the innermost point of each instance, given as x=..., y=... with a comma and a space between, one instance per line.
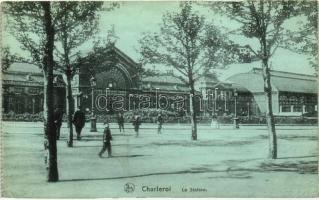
x=291, y=108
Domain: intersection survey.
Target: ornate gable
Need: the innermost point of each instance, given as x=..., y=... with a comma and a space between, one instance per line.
x=112, y=69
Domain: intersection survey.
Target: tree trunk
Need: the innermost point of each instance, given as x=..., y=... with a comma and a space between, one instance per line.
x=193, y=111
x=265, y=50
x=45, y=120
x=269, y=115
x=70, y=110
x=53, y=174
x=68, y=68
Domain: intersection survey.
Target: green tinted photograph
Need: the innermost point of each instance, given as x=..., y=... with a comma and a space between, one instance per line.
x=170, y=99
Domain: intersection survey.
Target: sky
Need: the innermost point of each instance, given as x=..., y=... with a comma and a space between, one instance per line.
x=131, y=19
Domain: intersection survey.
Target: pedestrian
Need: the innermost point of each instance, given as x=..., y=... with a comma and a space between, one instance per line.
x=120, y=121
x=136, y=124
x=107, y=137
x=215, y=121
x=159, y=123
x=58, y=115
x=79, y=122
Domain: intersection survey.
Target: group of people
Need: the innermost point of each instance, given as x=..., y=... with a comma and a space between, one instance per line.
x=79, y=121
x=107, y=136
x=137, y=122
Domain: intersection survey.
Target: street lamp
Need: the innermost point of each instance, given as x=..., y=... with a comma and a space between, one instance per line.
x=225, y=96
x=156, y=97
x=93, y=117
x=248, y=109
x=215, y=105
x=33, y=102
x=107, y=101
x=236, y=124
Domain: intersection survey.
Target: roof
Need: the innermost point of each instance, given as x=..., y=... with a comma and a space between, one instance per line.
x=124, y=56
x=29, y=78
x=170, y=88
x=164, y=82
x=24, y=67
x=27, y=68
x=281, y=81
x=286, y=74
x=22, y=76
x=163, y=79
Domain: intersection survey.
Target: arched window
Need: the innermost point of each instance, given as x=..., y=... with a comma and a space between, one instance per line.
x=112, y=84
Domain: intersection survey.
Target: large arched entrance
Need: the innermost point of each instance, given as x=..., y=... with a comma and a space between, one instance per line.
x=115, y=78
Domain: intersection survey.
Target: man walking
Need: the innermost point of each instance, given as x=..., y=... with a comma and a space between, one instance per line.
x=58, y=115
x=79, y=122
x=107, y=137
x=136, y=124
x=120, y=121
x=159, y=123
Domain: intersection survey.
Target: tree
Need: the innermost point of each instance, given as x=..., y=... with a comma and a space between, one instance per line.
x=6, y=58
x=189, y=46
x=34, y=25
x=262, y=20
x=76, y=23
x=305, y=39
x=31, y=24
x=53, y=174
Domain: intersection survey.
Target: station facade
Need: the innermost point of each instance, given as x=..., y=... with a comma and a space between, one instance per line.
x=22, y=89
x=119, y=85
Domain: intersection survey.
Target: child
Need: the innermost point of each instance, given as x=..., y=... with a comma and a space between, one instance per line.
x=107, y=137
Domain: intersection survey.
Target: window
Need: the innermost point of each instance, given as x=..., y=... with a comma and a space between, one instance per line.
x=111, y=84
x=11, y=104
x=309, y=108
x=297, y=108
x=285, y=108
x=20, y=105
x=19, y=90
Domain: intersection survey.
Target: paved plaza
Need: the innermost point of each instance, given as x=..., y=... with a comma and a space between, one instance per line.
x=222, y=163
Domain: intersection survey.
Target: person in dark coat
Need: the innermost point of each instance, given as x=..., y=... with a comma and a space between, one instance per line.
x=58, y=115
x=159, y=123
x=136, y=124
x=120, y=121
x=79, y=122
x=107, y=137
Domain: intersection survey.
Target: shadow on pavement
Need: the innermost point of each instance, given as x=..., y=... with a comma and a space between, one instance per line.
x=209, y=143
x=312, y=156
x=293, y=137
x=301, y=167
x=127, y=156
x=194, y=171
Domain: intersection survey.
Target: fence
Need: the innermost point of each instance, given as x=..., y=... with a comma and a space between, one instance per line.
x=169, y=117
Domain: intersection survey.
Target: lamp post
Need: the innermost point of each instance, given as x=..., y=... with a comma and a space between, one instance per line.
x=33, y=102
x=224, y=97
x=204, y=93
x=156, y=97
x=248, y=109
x=215, y=104
x=106, y=96
x=236, y=124
x=93, y=117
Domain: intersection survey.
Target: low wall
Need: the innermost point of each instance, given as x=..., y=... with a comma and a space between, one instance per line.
x=172, y=119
